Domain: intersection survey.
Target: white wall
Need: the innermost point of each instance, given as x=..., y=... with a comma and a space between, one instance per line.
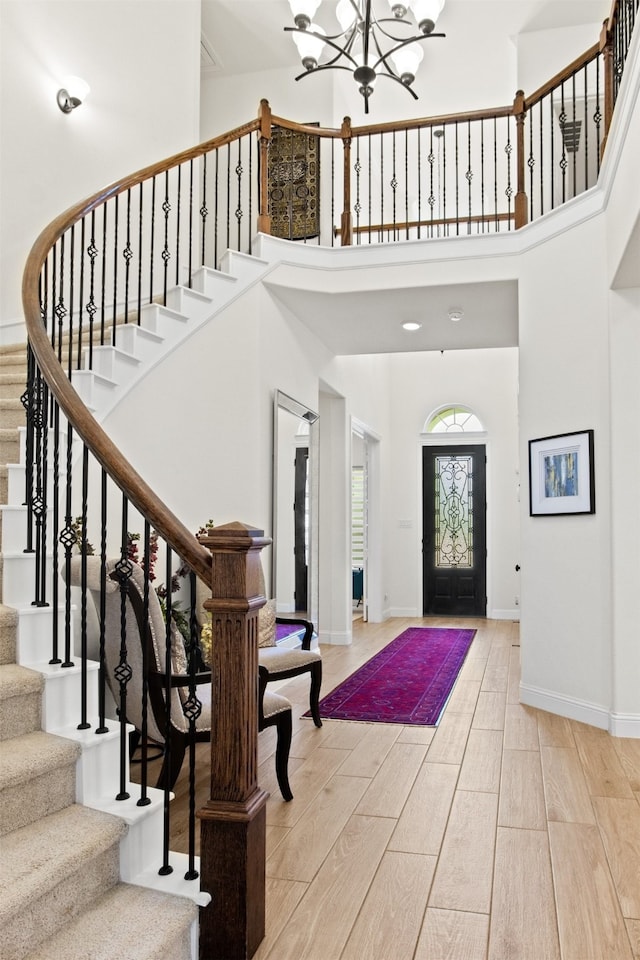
x=486, y=382
x=564, y=387
x=141, y=60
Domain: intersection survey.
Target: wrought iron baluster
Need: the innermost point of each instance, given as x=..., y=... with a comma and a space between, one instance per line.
x=166, y=253
x=190, y=241
x=251, y=187
x=469, y=174
x=140, y=254
x=152, y=239
x=597, y=116
x=509, y=152
x=27, y=402
x=127, y=254
x=369, y=154
x=333, y=195
x=419, y=160
x=357, y=206
x=495, y=172
x=144, y=800
x=103, y=284
x=192, y=710
x=84, y=723
x=55, y=534
x=406, y=183
x=585, y=127
x=443, y=213
x=68, y=539
x=166, y=867
x=203, y=210
x=91, y=308
x=216, y=208
x=431, y=200
x=178, y=213
x=541, y=149
x=563, y=159
x=239, y=171
x=228, y=206
x=393, y=184
x=116, y=224
x=482, y=178
x=80, y=294
x=456, y=167
x=102, y=674
x=552, y=167
x=574, y=158
x=123, y=672
x=381, y=178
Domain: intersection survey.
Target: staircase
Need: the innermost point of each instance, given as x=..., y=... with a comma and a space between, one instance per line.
x=61, y=893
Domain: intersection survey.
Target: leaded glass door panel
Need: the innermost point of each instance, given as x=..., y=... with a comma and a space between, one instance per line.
x=454, y=530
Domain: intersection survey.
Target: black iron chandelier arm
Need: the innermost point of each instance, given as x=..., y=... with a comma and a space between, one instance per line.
x=402, y=43
x=341, y=51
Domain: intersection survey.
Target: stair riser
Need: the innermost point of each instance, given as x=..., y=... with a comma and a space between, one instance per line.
x=9, y=448
x=12, y=416
x=27, y=802
x=14, y=527
x=11, y=387
x=62, y=697
x=41, y=918
x=20, y=715
x=18, y=579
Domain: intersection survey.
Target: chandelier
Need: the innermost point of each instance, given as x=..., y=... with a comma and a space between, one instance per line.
x=358, y=47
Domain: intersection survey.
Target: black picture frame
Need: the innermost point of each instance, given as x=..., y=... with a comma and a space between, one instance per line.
x=562, y=475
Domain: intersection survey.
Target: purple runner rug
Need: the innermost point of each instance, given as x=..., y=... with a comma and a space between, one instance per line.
x=408, y=682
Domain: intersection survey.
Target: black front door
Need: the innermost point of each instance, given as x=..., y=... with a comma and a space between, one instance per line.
x=454, y=530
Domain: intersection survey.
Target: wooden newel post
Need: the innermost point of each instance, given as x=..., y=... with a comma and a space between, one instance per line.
x=264, y=218
x=232, y=831
x=519, y=110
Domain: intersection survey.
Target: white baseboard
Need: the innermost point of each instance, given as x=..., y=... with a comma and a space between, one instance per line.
x=504, y=614
x=404, y=612
x=339, y=638
x=625, y=725
x=618, y=725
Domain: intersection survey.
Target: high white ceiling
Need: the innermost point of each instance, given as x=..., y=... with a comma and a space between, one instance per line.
x=247, y=36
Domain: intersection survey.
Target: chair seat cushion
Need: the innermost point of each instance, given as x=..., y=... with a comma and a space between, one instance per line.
x=273, y=703
x=276, y=659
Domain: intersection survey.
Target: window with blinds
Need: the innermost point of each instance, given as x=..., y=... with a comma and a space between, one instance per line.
x=357, y=516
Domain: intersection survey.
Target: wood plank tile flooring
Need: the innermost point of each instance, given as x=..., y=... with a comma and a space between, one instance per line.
x=505, y=833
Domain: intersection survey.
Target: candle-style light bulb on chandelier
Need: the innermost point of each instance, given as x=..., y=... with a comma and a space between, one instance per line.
x=368, y=46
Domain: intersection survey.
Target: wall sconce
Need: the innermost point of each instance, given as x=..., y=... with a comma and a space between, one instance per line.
x=72, y=94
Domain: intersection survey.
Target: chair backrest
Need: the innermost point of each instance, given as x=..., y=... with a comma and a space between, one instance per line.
x=137, y=633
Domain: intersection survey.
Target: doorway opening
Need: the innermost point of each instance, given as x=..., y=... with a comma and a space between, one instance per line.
x=454, y=536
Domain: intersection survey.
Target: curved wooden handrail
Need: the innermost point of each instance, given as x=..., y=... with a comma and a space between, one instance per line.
x=563, y=74
x=87, y=427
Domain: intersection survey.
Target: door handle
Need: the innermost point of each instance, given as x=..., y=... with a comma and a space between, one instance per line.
x=517, y=568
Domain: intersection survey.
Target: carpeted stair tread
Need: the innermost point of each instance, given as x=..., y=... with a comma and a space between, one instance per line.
x=33, y=755
x=20, y=700
x=51, y=870
x=8, y=629
x=127, y=923
x=37, y=777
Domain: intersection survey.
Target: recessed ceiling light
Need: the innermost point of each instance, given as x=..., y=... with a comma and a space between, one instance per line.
x=411, y=325
x=456, y=314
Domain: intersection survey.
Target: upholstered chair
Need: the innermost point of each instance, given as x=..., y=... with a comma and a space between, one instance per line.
x=274, y=711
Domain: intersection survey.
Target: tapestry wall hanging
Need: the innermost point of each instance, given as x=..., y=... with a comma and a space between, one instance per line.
x=294, y=184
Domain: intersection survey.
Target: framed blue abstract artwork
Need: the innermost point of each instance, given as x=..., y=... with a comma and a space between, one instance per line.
x=561, y=475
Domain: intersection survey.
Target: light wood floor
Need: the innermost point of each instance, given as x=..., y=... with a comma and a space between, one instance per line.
x=505, y=833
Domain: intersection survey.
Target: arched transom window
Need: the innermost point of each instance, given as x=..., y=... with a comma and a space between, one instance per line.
x=453, y=420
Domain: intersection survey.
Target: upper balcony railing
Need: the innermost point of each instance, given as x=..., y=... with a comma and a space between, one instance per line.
x=101, y=269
